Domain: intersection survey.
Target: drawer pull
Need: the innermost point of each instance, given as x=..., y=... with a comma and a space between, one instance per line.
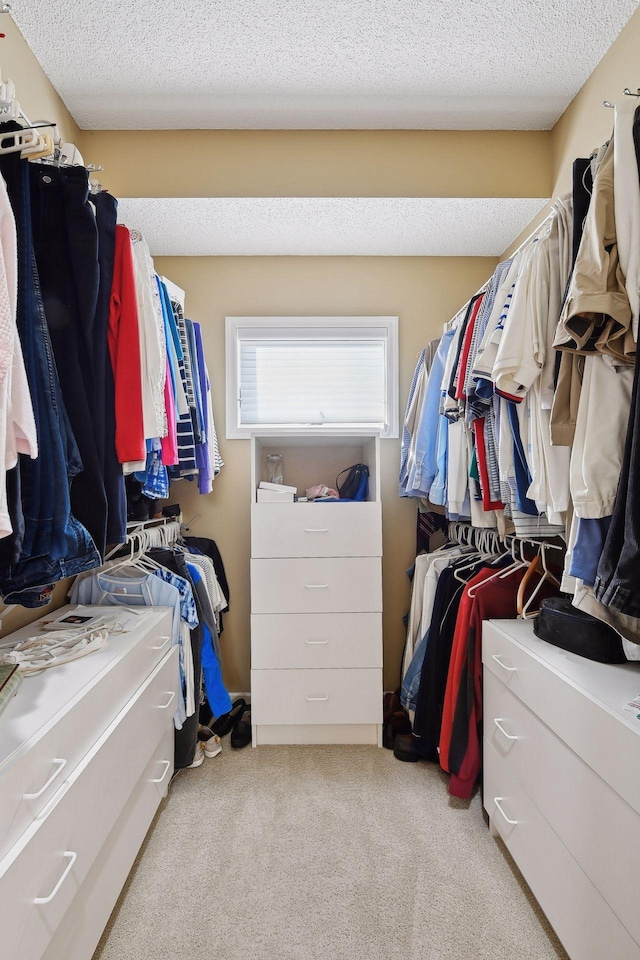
x=316, y=586
x=312, y=699
x=498, y=722
x=61, y=764
x=71, y=857
x=316, y=529
x=159, y=646
x=314, y=642
x=167, y=764
x=172, y=697
x=496, y=657
x=498, y=801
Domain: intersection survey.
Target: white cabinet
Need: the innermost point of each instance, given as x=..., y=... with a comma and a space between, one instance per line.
x=562, y=784
x=83, y=747
x=316, y=598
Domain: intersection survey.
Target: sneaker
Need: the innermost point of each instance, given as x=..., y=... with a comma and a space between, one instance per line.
x=210, y=741
x=198, y=757
x=212, y=746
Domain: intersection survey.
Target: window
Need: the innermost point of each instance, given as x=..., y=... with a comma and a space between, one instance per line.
x=312, y=373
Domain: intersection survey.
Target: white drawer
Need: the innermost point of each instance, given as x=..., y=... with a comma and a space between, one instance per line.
x=589, y=817
x=58, y=747
x=585, y=923
x=79, y=932
x=312, y=640
x=343, y=585
x=316, y=696
x=593, y=732
x=316, y=530
x=55, y=854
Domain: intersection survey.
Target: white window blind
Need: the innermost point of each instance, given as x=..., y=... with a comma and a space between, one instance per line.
x=311, y=373
x=312, y=382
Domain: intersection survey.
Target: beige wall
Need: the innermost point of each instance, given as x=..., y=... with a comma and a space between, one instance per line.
x=322, y=163
x=421, y=292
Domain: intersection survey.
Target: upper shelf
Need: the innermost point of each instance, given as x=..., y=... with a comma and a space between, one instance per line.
x=311, y=459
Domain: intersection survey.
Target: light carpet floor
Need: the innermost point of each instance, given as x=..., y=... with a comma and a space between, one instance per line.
x=322, y=853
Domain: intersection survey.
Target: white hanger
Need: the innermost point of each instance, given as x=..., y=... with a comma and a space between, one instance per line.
x=18, y=140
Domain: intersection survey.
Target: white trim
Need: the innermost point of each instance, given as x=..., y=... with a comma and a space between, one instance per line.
x=175, y=292
x=237, y=328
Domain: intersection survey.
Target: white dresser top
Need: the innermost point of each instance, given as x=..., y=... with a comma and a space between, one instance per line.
x=610, y=685
x=41, y=698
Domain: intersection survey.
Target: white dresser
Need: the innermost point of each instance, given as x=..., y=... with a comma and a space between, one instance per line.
x=86, y=755
x=562, y=785
x=316, y=598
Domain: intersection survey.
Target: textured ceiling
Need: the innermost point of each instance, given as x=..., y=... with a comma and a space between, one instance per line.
x=334, y=226
x=426, y=64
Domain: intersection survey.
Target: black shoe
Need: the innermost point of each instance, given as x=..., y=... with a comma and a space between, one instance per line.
x=397, y=723
x=404, y=749
x=227, y=721
x=241, y=733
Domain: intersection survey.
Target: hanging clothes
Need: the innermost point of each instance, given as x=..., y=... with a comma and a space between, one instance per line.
x=47, y=543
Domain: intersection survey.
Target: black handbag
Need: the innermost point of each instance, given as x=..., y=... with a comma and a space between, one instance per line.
x=563, y=625
x=355, y=485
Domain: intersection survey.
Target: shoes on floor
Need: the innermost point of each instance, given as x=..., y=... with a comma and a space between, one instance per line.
x=241, y=733
x=396, y=724
x=390, y=704
x=225, y=723
x=198, y=757
x=404, y=748
x=211, y=742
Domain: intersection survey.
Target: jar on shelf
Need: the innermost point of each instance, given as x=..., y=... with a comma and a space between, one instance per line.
x=275, y=468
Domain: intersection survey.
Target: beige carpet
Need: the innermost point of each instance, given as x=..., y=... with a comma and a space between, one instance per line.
x=322, y=853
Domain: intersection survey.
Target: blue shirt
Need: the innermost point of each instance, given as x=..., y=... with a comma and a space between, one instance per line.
x=429, y=446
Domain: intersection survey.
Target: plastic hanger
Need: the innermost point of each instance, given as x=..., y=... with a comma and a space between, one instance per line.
x=504, y=572
x=538, y=565
x=16, y=141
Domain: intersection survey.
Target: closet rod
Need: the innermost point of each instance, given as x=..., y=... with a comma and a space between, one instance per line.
x=485, y=285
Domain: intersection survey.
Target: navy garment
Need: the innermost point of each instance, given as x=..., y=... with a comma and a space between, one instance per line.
x=104, y=408
x=435, y=667
x=65, y=243
x=617, y=583
x=55, y=545
x=582, y=189
x=523, y=477
x=210, y=549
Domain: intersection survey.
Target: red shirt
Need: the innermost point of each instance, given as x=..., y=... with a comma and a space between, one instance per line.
x=124, y=349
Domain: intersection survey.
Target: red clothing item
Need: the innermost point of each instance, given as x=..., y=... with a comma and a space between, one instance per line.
x=456, y=663
x=493, y=600
x=481, y=454
x=124, y=350
x=466, y=349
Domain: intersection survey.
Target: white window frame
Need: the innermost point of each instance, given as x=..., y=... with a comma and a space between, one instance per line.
x=240, y=328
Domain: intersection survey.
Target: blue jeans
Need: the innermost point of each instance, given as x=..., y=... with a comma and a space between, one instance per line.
x=54, y=545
